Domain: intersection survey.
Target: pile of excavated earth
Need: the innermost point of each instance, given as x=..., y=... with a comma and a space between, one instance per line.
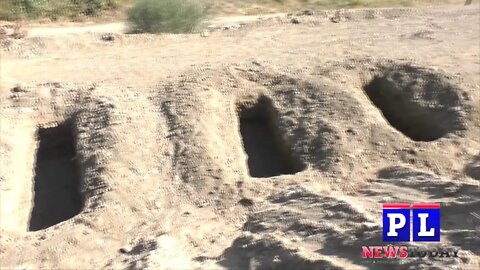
x=270, y=146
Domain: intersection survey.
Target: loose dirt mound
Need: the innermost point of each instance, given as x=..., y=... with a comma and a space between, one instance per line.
x=227, y=140
x=278, y=162
x=473, y=169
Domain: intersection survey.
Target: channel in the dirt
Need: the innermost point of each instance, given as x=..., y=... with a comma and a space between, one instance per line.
x=57, y=136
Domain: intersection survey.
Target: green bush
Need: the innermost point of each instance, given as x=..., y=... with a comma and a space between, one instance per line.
x=169, y=16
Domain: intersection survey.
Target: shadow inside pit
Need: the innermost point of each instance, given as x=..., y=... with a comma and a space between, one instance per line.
x=400, y=98
x=268, y=153
x=57, y=197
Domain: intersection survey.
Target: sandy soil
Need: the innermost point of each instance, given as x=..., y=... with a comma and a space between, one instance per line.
x=163, y=144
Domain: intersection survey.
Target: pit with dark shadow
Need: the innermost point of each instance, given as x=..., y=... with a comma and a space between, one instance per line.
x=418, y=105
x=268, y=153
x=56, y=189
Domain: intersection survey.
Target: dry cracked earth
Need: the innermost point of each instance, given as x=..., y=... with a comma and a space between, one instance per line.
x=268, y=146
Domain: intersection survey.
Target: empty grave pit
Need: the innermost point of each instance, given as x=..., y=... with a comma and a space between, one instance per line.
x=57, y=178
x=267, y=152
x=419, y=104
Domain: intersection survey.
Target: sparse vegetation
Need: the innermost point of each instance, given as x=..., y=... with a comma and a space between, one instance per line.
x=73, y=9
x=170, y=16
x=53, y=9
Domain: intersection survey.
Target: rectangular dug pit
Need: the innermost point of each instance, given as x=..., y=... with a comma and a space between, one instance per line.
x=268, y=153
x=56, y=183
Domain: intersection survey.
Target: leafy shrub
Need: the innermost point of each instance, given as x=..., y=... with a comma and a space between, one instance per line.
x=170, y=16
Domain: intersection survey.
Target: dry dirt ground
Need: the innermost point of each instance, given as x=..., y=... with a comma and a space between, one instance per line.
x=266, y=145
